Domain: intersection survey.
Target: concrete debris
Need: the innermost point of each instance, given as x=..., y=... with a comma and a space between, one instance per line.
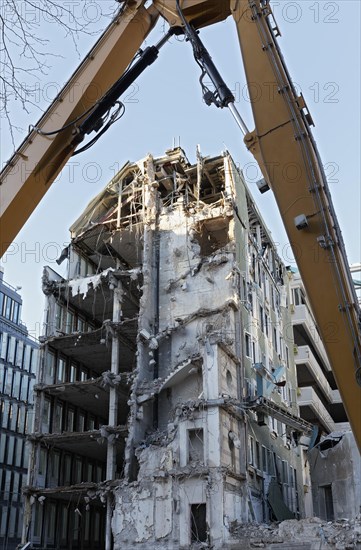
x=109, y=379
x=81, y=285
x=311, y=533
x=149, y=387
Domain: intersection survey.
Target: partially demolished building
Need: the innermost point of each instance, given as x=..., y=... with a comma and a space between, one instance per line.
x=166, y=409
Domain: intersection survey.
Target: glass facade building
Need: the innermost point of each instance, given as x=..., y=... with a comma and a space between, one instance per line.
x=18, y=355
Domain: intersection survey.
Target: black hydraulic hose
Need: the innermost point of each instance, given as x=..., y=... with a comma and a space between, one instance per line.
x=146, y=58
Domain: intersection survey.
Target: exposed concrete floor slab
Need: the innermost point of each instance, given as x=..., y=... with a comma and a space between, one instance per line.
x=90, y=444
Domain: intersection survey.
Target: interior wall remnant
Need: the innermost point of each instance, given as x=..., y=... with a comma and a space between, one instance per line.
x=335, y=466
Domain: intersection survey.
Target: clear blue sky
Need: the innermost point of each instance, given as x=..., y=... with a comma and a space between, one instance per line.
x=321, y=44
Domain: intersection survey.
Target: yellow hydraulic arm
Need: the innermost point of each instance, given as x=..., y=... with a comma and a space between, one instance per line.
x=282, y=144
x=39, y=159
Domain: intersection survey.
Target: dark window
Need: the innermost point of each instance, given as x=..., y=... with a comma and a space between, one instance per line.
x=50, y=516
x=20, y=523
x=16, y=384
x=37, y=519
x=3, y=521
x=275, y=339
x=70, y=420
x=57, y=418
x=2, y=449
x=258, y=456
x=60, y=371
x=261, y=318
x=248, y=345
x=2, y=375
x=21, y=419
x=27, y=357
x=12, y=528
x=66, y=469
x=5, y=415
x=8, y=381
x=33, y=360
x=19, y=452
x=24, y=388
x=328, y=512
x=8, y=304
x=69, y=322
x=73, y=373
x=96, y=527
x=15, y=316
x=19, y=354
x=63, y=523
x=50, y=368
x=198, y=522
x=15, y=489
x=4, y=345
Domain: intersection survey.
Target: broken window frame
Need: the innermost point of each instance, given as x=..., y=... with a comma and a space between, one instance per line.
x=45, y=416
x=251, y=450
x=73, y=373
x=58, y=316
x=69, y=324
x=58, y=409
x=195, y=434
x=248, y=345
x=261, y=318
x=70, y=419
x=196, y=531
x=50, y=366
x=61, y=369
x=327, y=500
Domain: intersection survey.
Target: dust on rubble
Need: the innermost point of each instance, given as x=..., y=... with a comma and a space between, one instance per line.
x=309, y=534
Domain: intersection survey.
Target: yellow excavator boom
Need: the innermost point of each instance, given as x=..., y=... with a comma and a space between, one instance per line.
x=39, y=159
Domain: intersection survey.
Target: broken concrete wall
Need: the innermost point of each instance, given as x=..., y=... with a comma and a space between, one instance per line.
x=204, y=280
x=336, y=477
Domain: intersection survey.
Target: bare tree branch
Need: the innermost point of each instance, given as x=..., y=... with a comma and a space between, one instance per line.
x=27, y=28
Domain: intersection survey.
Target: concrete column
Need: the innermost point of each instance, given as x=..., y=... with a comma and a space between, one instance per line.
x=113, y=413
x=147, y=313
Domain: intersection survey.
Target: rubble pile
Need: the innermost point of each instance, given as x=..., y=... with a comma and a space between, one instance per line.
x=310, y=533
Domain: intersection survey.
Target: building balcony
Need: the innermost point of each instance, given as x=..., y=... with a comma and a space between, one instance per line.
x=301, y=317
x=336, y=397
x=313, y=410
x=309, y=371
